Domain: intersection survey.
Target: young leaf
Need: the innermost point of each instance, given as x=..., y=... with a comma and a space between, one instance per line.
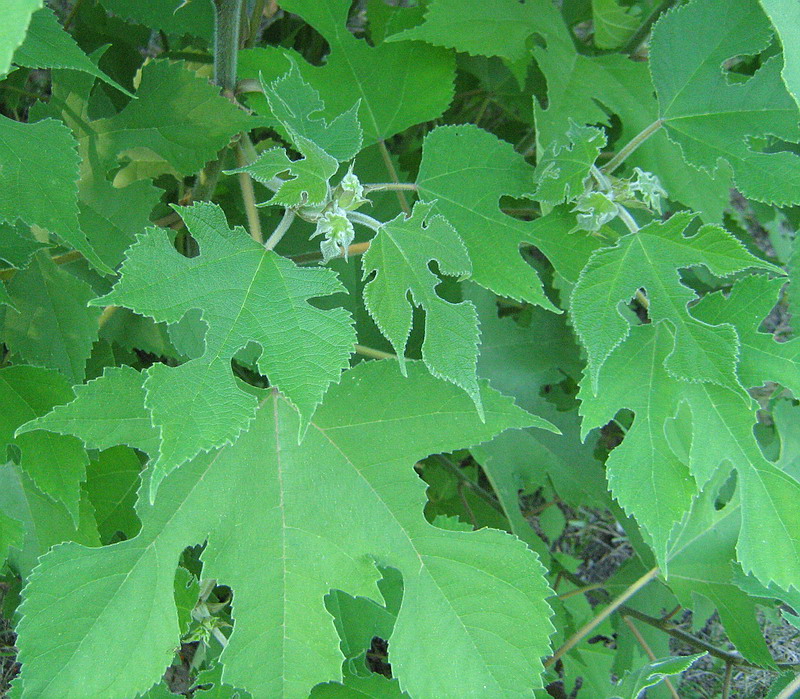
x=635, y=682
x=613, y=23
x=40, y=163
x=308, y=177
x=714, y=121
x=55, y=463
x=293, y=103
x=355, y=71
x=50, y=324
x=650, y=259
x=47, y=45
x=562, y=170
x=245, y=293
x=399, y=256
x=353, y=473
x=494, y=28
x=15, y=16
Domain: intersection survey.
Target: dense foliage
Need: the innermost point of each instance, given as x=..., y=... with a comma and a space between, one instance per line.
x=338, y=336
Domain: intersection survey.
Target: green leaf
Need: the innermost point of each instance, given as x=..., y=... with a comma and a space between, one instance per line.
x=105, y=412
x=713, y=120
x=466, y=171
x=636, y=681
x=245, y=293
x=562, y=169
x=50, y=325
x=12, y=535
x=785, y=17
x=177, y=114
x=47, y=45
x=420, y=90
x=57, y=464
x=613, y=23
x=112, y=480
x=40, y=164
x=308, y=177
x=15, y=16
x=17, y=245
x=587, y=89
x=353, y=472
x=399, y=256
x=480, y=28
x=761, y=357
x=650, y=259
x=46, y=522
x=702, y=563
x=293, y=102
x=645, y=476
x=371, y=687
x=178, y=16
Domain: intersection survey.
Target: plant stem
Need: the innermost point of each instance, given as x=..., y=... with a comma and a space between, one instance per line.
x=249, y=198
x=699, y=643
x=648, y=651
x=72, y=14
x=587, y=628
x=372, y=353
x=364, y=220
x=108, y=311
x=580, y=591
x=789, y=690
x=387, y=160
x=227, y=17
x=281, y=228
x=306, y=257
x=383, y=186
x=726, y=683
x=631, y=146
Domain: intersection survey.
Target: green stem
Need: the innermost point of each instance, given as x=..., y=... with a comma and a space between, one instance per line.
x=632, y=145
x=372, y=353
x=255, y=22
x=387, y=161
x=474, y=487
x=591, y=625
x=282, y=227
x=227, y=18
x=249, y=198
x=364, y=220
x=390, y=186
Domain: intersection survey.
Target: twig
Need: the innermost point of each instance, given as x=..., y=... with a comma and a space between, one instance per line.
x=280, y=229
x=587, y=628
x=670, y=628
x=648, y=651
x=631, y=146
x=387, y=160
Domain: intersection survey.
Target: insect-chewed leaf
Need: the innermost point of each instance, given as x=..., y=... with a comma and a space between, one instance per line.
x=651, y=259
x=245, y=293
x=714, y=120
x=399, y=255
x=260, y=503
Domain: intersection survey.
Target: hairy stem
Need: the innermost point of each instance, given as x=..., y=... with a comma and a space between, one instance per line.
x=726, y=683
x=591, y=625
x=306, y=257
x=280, y=229
x=364, y=220
x=387, y=160
x=631, y=146
x=384, y=186
x=227, y=17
